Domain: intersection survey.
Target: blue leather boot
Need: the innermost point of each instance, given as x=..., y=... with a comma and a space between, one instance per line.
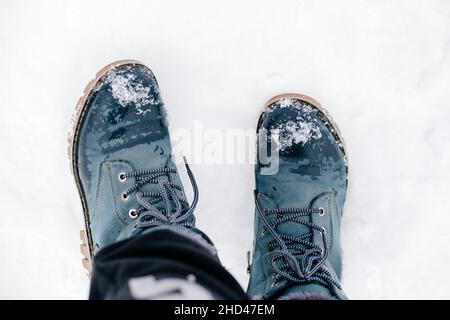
x=297, y=252
x=122, y=162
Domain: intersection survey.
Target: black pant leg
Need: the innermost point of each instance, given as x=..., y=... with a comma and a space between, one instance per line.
x=158, y=260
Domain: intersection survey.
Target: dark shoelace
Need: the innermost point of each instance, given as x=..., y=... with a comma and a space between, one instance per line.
x=311, y=266
x=177, y=210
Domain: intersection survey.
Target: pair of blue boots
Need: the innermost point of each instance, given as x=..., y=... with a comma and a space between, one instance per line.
x=122, y=162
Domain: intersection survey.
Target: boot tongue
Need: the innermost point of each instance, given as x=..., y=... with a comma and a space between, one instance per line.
x=294, y=229
x=288, y=196
x=310, y=291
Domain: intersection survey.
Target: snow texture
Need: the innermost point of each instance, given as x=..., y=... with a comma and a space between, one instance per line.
x=382, y=69
x=126, y=89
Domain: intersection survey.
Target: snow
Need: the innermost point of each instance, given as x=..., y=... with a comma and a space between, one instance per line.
x=295, y=132
x=382, y=68
x=127, y=89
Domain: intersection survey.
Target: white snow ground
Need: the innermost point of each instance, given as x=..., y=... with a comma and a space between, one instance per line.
x=381, y=67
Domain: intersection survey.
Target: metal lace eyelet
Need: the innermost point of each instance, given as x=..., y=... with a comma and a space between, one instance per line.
x=122, y=177
x=324, y=231
x=133, y=213
x=264, y=231
x=125, y=196
x=321, y=212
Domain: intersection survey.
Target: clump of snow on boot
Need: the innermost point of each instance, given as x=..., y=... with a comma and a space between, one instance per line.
x=298, y=131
